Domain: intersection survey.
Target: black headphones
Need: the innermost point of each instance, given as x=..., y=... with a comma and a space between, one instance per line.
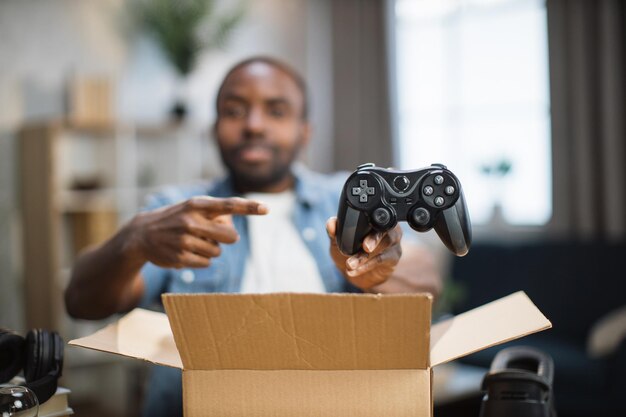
x=519, y=383
x=40, y=355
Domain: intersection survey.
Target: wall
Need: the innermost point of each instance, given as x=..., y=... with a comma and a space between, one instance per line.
x=44, y=42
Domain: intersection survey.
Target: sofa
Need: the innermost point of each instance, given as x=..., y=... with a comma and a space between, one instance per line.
x=581, y=287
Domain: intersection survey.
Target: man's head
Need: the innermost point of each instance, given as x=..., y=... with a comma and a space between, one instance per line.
x=262, y=123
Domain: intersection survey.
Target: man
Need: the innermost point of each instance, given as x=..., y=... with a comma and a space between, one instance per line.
x=213, y=240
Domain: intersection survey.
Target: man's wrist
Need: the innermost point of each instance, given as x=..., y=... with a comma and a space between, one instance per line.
x=130, y=240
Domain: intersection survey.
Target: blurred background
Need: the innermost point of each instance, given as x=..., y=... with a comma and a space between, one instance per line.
x=522, y=99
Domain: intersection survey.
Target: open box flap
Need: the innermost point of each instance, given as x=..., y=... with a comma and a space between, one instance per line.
x=300, y=331
x=500, y=321
x=141, y=334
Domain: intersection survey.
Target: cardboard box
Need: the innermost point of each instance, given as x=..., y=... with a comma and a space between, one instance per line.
x=310, y=354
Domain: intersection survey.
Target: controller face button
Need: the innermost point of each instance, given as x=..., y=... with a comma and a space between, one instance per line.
x=401, y=183
x=428, y=190
x=421, y=216
x=449, y=190
x=439, y=201
x=356, y=190
x=381, y=216
x=438, y=180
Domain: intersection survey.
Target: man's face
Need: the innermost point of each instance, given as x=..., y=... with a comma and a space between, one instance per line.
x=260, y=127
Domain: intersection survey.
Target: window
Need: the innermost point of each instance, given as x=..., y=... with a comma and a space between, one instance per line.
x=473, y=94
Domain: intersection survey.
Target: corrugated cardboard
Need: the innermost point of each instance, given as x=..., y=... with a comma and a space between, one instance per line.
x=309, y=354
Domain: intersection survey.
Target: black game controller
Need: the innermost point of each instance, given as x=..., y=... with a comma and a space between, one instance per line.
x=376, y=198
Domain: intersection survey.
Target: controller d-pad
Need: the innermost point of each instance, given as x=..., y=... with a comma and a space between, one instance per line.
x=363, y=191
x=368, y=190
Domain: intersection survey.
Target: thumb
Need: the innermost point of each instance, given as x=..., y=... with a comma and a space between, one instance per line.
x=331, y=227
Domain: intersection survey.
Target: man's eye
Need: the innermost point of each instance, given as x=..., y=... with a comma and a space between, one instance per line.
x=234, y=111
x=277, y=112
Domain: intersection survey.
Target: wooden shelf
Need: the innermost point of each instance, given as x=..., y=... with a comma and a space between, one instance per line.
x=75, y=201
x=59, y=221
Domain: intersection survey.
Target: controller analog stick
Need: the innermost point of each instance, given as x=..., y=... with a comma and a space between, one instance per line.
x=381, y=217
x=421, y=216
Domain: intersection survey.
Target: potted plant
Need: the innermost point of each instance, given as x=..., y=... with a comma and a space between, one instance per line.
x=183, y=29
x=496, y=172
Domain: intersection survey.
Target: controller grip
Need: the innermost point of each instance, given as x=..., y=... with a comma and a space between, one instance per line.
x=352, y=227
x=454, y=228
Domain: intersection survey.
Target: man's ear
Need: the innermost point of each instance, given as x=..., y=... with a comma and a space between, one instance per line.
x=214, y=130
x=306, y=130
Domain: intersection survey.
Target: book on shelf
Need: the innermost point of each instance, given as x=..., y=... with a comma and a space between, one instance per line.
x=58, y=405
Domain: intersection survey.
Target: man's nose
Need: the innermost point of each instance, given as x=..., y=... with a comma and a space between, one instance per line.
x=255, y=122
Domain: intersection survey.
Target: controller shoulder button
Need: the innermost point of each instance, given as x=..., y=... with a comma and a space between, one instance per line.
x=366, y=165
x=437, y=165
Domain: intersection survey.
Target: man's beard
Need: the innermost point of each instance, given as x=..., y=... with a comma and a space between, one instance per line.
x=252, y=177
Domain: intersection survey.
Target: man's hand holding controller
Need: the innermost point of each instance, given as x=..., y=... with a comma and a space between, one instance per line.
x=375, y=263
x=365, y=234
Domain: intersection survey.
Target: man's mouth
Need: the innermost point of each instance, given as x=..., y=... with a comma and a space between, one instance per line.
x=254, y=154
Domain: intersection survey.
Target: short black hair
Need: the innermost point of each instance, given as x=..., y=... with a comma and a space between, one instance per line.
x=287, y=69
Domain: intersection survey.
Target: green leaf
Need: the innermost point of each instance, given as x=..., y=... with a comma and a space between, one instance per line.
x=177, y=25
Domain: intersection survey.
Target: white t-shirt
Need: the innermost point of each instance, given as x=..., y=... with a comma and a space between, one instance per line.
x=279, y=260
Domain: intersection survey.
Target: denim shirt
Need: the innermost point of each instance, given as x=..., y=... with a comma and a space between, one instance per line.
x=317, y=198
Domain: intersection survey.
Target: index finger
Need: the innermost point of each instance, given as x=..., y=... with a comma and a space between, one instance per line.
x=213, y=207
